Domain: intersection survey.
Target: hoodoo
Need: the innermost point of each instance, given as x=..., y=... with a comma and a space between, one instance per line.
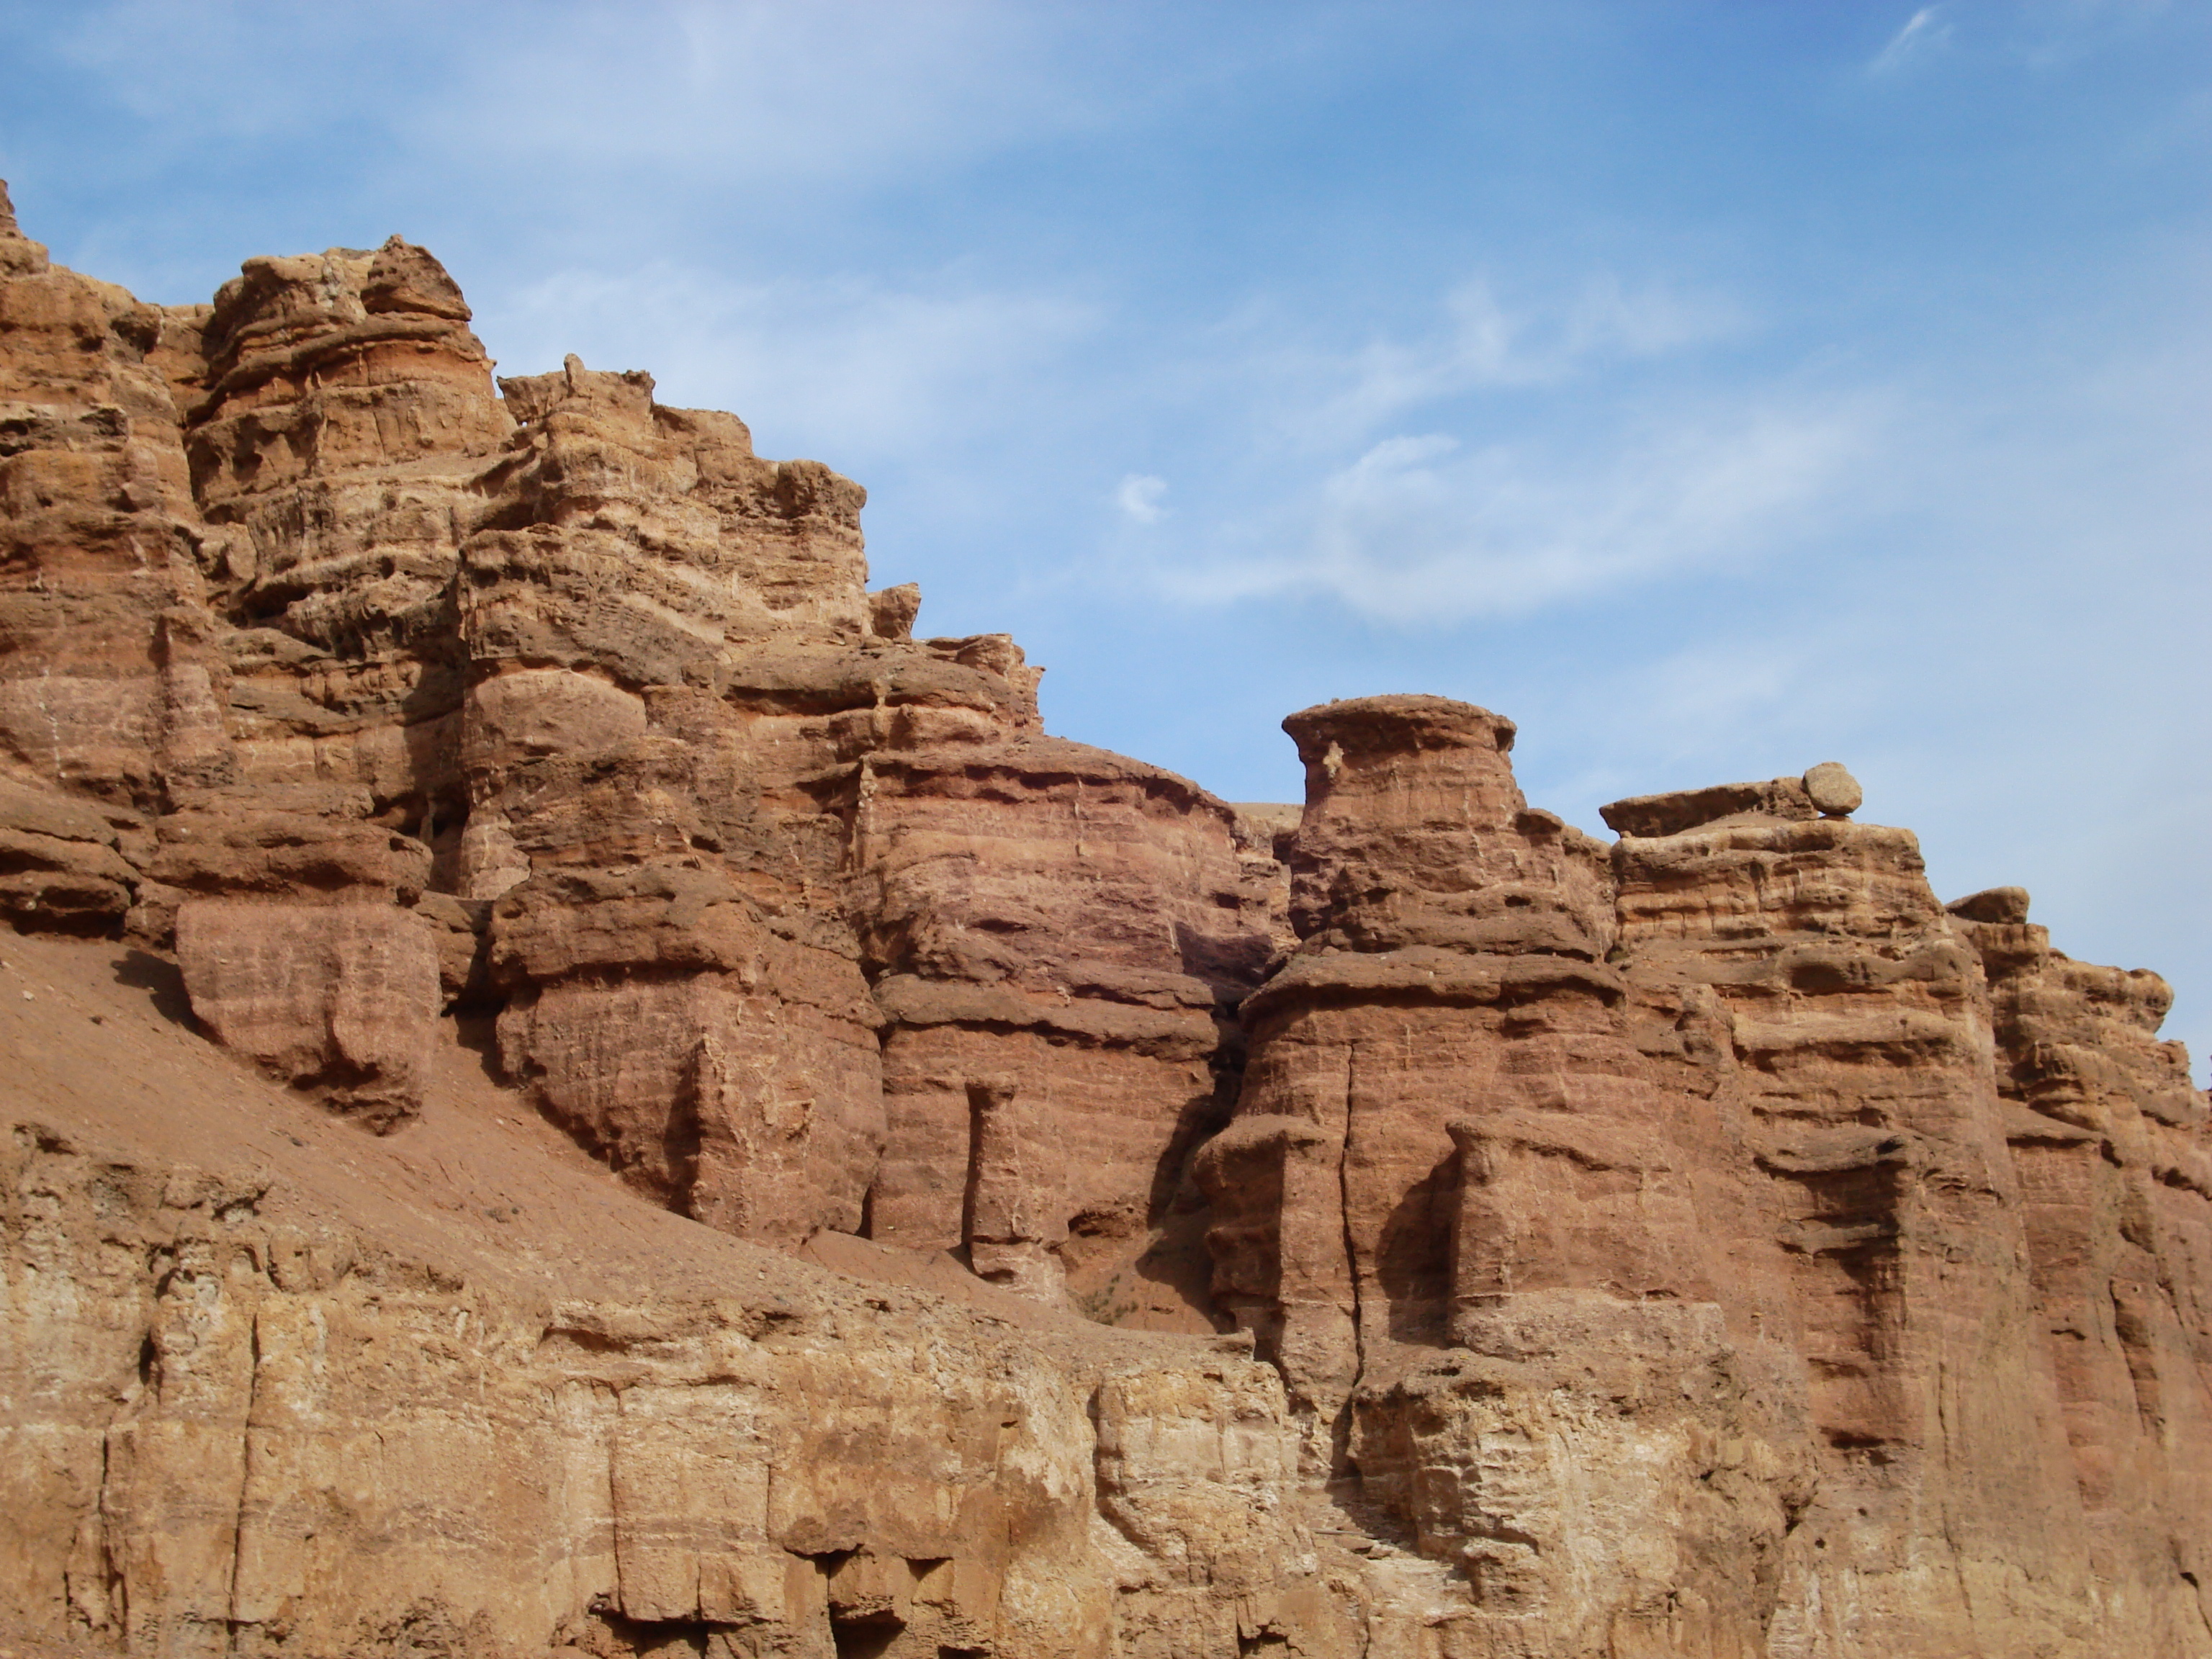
x=573, y=1086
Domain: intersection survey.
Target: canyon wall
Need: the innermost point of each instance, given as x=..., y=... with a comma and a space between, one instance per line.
x=1086, y=1216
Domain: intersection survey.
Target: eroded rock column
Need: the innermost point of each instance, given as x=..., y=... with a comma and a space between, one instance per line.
x=1451, y=969
x=1454, y=1208
x=1010, y=1220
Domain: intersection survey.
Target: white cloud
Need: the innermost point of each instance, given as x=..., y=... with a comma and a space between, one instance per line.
x=747, y=91
x=1607, y=318
x=1483, y=344
x=1417, y=533
x=852, y=366
x=851, y=90
x=1924, y=32
x=1140, y=497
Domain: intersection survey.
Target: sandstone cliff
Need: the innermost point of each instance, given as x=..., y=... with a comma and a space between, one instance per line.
x=725, y=1136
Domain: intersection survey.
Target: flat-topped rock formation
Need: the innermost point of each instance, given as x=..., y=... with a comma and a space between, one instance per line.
x=722, y=1136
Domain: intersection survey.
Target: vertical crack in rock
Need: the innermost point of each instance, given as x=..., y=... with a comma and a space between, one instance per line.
x=246, y=1460
x=1340, y=1428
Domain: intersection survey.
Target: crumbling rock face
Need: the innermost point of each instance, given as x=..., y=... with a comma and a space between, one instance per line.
x=1079, y=923
x=723, y=1065
x=2107, y=1136
x=293, y=1407
x=1846, y=1047
x=1707, y=1242
x=1610, y=1476
x=107, y=687
x=1708, y=1144
x=60, y=869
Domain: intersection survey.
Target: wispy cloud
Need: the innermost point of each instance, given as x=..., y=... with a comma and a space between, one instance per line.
x=1927, y=31
x=1483, y=344
x=1140, y=495
x=852, y=91
x=1419, y=531
x=856, y=365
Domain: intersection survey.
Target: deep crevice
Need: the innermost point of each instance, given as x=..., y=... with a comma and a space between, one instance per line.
x=1341, y=1430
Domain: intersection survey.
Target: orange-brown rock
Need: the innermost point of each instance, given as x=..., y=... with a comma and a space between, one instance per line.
x=1078, y=924
x=723, y=1065
x=107, y=684
x=1651, y=1236
x=1449, y=984
x=341, y=999
x=287, y=925
x=1800, y=980
x=60, y=868
x=2109, y=1141
x=1709, y=1243
x=271, y=1385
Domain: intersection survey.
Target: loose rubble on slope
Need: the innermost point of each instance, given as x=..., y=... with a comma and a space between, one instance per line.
x=700, y=1128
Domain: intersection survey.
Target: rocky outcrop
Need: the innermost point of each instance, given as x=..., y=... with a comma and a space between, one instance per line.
x=1705, y=1242
x=1798, y=983
x=717, y=836
x=60, y=868
x=1653, y=1234
x=2107, y=1137
x=447, y=1393
x=108, y=686
x=1453, y=955
x=1454, y=1208
x=1080, y=925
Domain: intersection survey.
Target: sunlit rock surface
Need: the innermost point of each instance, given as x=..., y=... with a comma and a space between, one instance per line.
x=856, y=1174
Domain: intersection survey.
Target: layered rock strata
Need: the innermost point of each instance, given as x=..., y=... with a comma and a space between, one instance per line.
x=450, y=1392
x=1705, y=1242
x=541, y=697
x=1651, y=1232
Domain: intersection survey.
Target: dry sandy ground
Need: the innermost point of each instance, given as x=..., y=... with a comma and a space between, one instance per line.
x=98, y=1044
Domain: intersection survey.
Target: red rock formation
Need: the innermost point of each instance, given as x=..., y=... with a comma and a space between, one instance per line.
x=1076, y=922
x=1707, y=1243
x=1451, y=972
x=2109, y=1141
x=107, y=687
x=1696, y=1170
x=1877, y=1230
x=592, y=659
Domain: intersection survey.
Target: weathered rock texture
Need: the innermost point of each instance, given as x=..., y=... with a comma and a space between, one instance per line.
x=271, y=1387
x=1702, y=1244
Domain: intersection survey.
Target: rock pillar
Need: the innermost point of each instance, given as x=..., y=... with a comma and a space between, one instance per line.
x=1008, y=1226
x=1450, y=981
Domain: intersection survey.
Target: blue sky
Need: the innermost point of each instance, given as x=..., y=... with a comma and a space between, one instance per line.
x=1713, y=388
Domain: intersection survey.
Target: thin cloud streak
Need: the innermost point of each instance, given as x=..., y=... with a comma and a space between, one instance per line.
x=1925, y=32
x=835, y=91
x=1417, y=534
x=1327, y=396
x=845, y=91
